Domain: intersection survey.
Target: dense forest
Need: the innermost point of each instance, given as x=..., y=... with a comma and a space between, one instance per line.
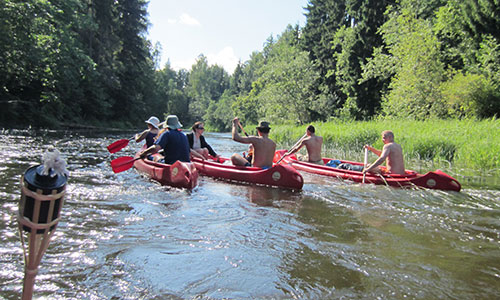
x=88, y=62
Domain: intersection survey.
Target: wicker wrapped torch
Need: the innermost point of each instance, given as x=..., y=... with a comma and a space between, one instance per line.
x=42, y=196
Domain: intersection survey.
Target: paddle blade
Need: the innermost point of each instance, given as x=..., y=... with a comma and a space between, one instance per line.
x=118, y=145
x=122, y=163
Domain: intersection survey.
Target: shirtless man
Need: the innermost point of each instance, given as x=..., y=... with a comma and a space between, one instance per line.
x=264, y=147
x=392, y=152
x=313, y=145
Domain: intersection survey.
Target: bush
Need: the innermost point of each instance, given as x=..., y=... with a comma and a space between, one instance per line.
x=471, y=95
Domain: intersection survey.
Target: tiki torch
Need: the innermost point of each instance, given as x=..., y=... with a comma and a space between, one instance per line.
x=42, y=197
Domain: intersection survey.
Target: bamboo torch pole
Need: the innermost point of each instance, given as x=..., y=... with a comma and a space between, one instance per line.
x=42, y=196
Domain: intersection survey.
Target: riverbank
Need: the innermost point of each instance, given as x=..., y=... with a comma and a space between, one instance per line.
x=467, y=144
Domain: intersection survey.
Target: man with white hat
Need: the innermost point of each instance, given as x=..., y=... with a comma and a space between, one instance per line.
x=150, y=133
x=173, y=142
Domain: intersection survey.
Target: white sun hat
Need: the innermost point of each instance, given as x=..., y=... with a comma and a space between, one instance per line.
x=173, y=122
x=153, y=121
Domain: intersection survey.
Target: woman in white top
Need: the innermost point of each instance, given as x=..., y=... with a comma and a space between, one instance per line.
x=198, y=143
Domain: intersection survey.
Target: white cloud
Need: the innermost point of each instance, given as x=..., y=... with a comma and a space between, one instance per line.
x=224, y=58
x=183, y=64
x=185, y=19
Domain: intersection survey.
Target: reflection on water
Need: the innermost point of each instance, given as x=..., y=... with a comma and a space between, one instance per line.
x=123, y=236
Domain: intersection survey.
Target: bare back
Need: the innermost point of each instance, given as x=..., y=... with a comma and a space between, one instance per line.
x=313, y=145
x=394, y=154
x=263, y=152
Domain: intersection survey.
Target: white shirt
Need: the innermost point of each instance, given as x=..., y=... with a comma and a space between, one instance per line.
x=196, y=142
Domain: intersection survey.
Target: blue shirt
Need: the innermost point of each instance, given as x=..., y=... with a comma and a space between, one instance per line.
x=175, y=146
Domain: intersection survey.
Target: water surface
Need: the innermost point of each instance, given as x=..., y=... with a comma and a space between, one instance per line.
x=123, y=236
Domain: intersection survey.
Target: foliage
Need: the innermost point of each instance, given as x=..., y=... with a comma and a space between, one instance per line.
x=88, y=62
x=205, y=85
x=464, y=143
x=414, y=90
x=470, y=95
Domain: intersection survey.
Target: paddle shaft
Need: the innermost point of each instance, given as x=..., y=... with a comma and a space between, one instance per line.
x=365, y=164
x=242, y=129
x=286, y=154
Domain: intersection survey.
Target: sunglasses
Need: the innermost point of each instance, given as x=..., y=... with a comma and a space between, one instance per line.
x=201, y=128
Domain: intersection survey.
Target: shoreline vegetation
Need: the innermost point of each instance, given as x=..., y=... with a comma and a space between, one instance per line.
x=466, y=149
x=458, y=144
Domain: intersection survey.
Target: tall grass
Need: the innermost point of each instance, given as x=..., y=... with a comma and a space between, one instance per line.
x=467, y=144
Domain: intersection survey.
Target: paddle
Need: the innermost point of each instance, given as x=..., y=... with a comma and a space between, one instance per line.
x=242, y=129
x=123, y=163
x=286, y=154
x=365, y=164
x=118, y=145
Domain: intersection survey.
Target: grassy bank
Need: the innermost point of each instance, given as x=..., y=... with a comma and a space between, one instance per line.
x=462, y=143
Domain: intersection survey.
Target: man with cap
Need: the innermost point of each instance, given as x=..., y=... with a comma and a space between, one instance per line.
x=173, y=142
x=264, y=147
x=150, y=133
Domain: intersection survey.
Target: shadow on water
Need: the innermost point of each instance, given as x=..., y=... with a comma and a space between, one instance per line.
x=123, y=236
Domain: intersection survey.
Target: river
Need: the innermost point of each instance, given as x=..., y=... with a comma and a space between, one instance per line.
x=122, y=236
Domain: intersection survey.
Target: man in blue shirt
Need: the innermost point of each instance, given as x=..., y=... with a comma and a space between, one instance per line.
x=173, y=142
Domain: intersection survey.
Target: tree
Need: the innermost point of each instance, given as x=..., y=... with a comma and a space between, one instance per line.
x=414, y=91
x=205, y=84
x=283, y=89
x=324, y=18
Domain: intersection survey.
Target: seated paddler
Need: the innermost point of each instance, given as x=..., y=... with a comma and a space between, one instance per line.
x=263, y=146
x=173, y=141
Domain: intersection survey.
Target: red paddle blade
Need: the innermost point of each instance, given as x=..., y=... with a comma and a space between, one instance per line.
x=118, y=145
x=122, y=163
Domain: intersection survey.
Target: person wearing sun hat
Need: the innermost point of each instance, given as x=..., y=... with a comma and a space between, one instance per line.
x=263, y=146
x=173, y=142
x=150, y=133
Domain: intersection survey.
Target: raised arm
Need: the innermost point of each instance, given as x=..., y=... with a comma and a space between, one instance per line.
x=377, y=152
x=236, y=136
x=297, y=147
x=141, y=136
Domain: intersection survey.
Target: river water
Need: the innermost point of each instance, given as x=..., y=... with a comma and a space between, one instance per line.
x=123, y=236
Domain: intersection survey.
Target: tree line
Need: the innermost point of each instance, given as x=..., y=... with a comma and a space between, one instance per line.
x=89, y=62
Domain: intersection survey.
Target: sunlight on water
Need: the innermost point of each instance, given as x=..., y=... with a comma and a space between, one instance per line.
x=123, y=236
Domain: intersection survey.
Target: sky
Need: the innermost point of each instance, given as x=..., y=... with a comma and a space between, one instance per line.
x=225, y=31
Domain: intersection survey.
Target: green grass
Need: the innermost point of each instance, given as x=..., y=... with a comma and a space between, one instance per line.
x=467, y=144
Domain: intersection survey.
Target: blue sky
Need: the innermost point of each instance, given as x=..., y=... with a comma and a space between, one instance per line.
x=225, y=31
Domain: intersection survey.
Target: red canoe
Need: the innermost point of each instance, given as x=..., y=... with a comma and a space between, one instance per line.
x=178, y=174
x=279, y=175
x=432, y=180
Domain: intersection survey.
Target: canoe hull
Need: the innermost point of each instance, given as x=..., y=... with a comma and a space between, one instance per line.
x=178, y=174
x=279, y=175
x=431, y=180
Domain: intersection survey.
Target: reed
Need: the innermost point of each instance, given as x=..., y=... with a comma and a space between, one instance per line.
x=468, y=144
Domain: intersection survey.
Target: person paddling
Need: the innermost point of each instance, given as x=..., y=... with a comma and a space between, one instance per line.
x=391, y=152
x=150, y=133
x=313, y=145
x=173, y=142
x=264, y=147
